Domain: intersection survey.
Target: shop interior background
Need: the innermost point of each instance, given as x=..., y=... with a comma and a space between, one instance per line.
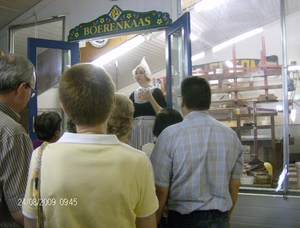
x=211, y=27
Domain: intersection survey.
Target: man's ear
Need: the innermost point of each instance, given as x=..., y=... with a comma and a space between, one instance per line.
x=181, y=103
x=56, y=133
x=61, y=105
x=21, y=88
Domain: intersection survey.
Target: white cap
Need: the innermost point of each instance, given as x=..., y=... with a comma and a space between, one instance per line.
x=145, y=66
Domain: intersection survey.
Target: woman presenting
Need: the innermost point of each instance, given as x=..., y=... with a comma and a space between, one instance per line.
x=147, y=101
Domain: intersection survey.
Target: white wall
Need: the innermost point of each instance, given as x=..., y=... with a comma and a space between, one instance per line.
x=49, y=100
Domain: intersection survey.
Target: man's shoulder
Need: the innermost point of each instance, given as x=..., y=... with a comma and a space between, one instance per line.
x=132, y=151
x=131, y=156
x=9, y=125
x=116, y=148
x=198, y=120
x=172, y=131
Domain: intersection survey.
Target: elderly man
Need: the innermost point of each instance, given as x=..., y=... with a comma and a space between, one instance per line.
x=17, y=80
x=197, y=164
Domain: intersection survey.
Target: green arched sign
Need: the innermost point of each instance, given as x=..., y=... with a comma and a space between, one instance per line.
x=119, y=21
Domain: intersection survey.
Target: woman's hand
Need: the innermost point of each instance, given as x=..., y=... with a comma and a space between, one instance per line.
x=147, y=95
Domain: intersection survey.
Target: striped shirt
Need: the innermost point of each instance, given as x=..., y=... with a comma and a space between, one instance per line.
x=15, y=153
x=196, y=159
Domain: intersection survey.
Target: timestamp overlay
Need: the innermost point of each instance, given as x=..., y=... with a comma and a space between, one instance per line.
x=33, y=202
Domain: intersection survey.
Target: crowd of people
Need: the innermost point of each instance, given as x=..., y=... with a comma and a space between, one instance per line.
x=95, y=174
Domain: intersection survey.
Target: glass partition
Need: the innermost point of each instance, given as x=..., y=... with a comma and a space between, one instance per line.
x=245, y=68
x=177, y=66
x=178, y=58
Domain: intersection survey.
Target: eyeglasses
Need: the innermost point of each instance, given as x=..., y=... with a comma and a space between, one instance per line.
x=33, y=91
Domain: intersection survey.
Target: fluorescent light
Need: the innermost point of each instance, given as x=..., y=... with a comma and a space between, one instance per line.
x=198, y=56
x=120, y=50
x=206, y=5
x=237, y=39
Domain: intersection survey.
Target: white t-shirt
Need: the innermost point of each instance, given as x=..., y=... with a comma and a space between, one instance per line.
x=147, y=148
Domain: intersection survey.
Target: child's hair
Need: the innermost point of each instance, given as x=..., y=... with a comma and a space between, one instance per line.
x=164, y=118
x=46, y=124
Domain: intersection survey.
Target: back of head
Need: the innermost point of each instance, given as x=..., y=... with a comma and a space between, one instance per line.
x=14, y=70
x=87, y=94
x=120, y=121
x=164, y=118
x=46, y=125
x=196, y=93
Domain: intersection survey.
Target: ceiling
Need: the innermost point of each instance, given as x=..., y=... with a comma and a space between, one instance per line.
x=210, y=27
x=10, y=10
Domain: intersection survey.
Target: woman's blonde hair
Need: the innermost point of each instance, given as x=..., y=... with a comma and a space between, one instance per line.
x=121, y=119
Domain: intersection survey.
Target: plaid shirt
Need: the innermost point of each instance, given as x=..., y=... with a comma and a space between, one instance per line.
x=196, y=159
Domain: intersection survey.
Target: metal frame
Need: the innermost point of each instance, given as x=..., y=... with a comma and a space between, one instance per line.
x=32, y=45
x=182, y=22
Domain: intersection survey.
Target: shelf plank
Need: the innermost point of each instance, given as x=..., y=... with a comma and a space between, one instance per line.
x=257, y=114
x=226, y=100
x=220, y=109
x=239, y=89
x=244, y=74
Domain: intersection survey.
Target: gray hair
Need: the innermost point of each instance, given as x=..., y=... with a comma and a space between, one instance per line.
x=14, y=70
